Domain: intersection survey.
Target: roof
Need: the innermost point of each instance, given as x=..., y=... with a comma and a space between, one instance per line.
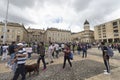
x=55, y=29
x=86, y=22
x=14, y=25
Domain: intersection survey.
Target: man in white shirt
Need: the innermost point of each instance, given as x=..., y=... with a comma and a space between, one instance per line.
x=57, y=50
x=50, y=51
x=63, y=46
x=5, y=52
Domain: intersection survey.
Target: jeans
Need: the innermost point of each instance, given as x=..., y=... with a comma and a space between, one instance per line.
x=57, y=53
x=0, y=52
x=43, y=60
x=78, y=52
x=20, y=70
x=11, y=58
x=29, y=54
x=66, y=58
x=106, y=62
x=84, y=54
x=50, y=57
x=53, y=55
x=14, y=67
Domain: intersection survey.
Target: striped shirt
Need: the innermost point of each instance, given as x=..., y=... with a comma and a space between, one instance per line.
x=21, y=60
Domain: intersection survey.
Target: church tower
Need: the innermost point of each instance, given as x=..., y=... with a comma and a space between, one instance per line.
x=86, y=26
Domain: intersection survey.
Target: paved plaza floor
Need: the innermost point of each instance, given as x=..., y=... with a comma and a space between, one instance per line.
x=90, y=68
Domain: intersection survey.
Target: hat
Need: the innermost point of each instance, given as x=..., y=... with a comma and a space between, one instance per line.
x=20, y=44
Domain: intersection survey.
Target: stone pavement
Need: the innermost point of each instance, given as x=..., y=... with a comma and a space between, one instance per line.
x=90, y=68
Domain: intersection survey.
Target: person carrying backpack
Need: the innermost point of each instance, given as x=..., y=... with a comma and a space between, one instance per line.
x=107, y=53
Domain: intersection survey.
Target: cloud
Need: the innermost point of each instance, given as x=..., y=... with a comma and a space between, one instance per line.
x=60, y=13
x=23, y=3
x=80, y=5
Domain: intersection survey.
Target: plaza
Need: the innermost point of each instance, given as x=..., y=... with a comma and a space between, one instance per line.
x=90, y=68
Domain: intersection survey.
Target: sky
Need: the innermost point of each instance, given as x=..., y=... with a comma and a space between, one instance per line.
x=61, y=14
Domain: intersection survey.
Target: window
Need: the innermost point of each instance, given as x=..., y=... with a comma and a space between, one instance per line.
x=18, y=38
x=8, y=30
x=99, y=28
x=114, y=23
x=104, y=30
x=116, y=34
x=18, y=32
x=104, y=36
x=115, y=31
x=103, y=25
x=2, y=36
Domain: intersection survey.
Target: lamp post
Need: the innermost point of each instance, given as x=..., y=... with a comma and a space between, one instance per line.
x=5, y=27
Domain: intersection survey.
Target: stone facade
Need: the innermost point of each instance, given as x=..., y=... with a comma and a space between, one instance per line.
x=57, y=35
x=35, y=35
x=108, y=32
x=86, y=36
x=15, y=32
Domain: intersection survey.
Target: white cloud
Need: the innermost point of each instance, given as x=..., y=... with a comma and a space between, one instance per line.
x=61, y=14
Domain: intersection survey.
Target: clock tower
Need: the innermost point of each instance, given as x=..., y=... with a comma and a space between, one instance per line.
x=86, y=25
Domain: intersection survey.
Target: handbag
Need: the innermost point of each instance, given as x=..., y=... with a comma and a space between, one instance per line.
x=71, y=55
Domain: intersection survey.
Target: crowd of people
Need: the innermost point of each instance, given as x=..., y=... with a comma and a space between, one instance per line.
x=20, y=52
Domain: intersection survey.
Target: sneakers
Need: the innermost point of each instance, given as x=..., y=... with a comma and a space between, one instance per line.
x=7, y=65
x=44, y=69
x=105, y=70
x=106, y=73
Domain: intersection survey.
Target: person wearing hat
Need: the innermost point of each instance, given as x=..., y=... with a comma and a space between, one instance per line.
x=21, y=57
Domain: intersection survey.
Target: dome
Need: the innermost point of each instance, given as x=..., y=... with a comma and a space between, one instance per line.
x=86, y=22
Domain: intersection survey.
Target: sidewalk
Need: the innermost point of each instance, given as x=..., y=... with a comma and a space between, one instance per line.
x=89, y=68
x=114, y=62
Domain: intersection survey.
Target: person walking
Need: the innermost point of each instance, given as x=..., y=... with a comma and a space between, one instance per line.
x=29, y=51
x=21, y=57
x=57, y=50
x=50, y=51
x=0, y=49
x=62, y=46
x=84, y=49
x=66, y=55
x=11, y=53
x=105, y=58
x=41, y=53
x=73, y=47
x=118, y=48
x=79, y=48
x=5, y=52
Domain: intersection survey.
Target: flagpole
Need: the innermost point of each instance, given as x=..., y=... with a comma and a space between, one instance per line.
x=5, y=28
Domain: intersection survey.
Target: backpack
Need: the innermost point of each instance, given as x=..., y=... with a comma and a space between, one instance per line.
x=110, y=52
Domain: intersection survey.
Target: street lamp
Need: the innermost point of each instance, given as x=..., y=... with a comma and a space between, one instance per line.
x=5, y=28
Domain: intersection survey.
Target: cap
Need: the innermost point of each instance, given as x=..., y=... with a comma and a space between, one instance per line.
x=20, y=44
